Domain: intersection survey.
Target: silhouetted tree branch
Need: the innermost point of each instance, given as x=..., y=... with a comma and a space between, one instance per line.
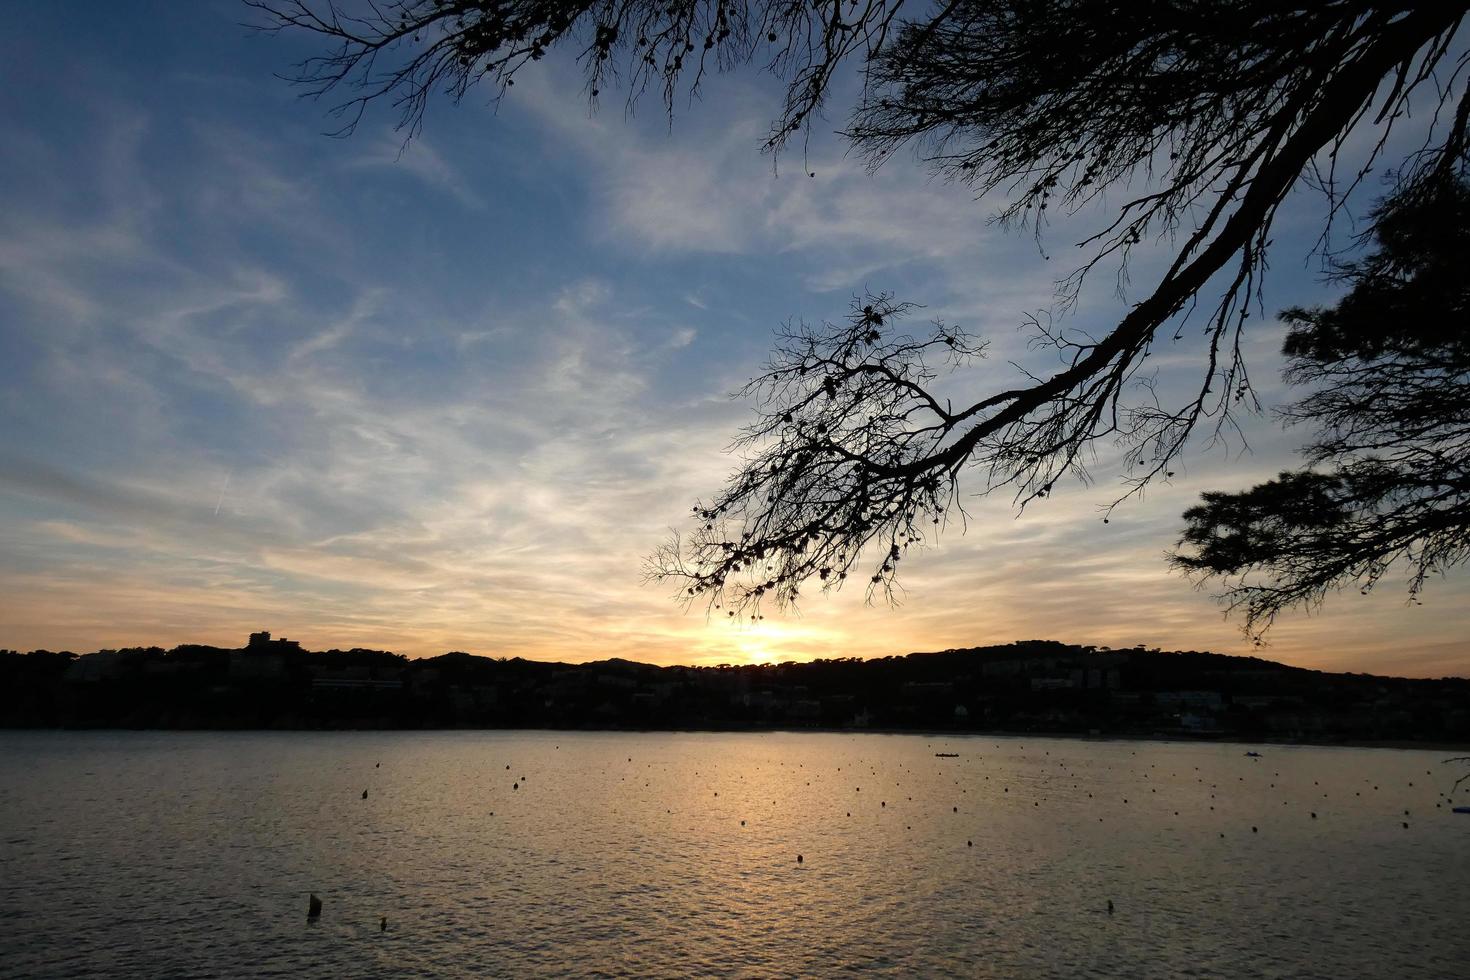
x=1204, y=115
x=838, y=461
x=407, y=50
x=1389, y=370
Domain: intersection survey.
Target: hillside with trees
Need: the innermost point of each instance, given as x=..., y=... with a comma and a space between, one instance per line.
x=1029, y=686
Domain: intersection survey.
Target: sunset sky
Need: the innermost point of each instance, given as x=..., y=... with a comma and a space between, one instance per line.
x=449, y=396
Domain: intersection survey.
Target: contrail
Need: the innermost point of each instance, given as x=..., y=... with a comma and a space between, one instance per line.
x=222, y=490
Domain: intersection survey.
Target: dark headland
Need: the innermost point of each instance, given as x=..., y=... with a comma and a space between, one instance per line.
x=1027, y=686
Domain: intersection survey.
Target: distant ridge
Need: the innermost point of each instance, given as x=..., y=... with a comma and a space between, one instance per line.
x=1031, y=685
x=1024, y=648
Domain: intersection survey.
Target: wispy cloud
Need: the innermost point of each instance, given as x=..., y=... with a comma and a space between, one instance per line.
x=390, y=153
x=459, y=392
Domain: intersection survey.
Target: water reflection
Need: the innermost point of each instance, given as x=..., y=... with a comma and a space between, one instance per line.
x=778, y=854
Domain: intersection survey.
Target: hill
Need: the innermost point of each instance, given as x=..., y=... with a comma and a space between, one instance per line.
x=1026, y=686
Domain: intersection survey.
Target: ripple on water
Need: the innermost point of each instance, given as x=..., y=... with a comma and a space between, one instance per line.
x=191, y=854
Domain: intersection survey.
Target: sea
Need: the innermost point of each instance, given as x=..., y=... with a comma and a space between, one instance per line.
x=529, y=854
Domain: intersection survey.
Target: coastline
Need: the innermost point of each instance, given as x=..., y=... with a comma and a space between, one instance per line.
x=1226, y=739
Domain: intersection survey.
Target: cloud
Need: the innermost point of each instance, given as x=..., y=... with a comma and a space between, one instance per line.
x=418, y=159
x=451, y=430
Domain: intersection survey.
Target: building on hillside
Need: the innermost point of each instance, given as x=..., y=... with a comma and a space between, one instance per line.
x=263, y=658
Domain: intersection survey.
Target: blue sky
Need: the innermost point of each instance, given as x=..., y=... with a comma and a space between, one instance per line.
x=448, y=396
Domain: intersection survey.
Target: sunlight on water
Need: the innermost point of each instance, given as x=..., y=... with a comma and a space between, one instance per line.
x=590, y=854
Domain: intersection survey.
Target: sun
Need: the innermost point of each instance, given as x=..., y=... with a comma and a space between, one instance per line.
x=766, y=643
x=755, y=650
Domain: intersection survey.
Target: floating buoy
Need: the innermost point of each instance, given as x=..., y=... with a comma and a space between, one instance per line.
x=1110, y=906
x=383, y=924
x=798, y=859
x=313, y=908
x=969, y=843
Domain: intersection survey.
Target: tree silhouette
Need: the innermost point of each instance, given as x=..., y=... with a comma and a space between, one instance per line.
x=1388, y=480
x=1203, y=115
x=837, y=460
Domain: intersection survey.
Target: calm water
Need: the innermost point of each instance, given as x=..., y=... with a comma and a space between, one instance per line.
x=176, y=854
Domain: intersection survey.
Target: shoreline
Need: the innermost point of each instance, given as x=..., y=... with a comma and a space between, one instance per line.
x=1230, y=739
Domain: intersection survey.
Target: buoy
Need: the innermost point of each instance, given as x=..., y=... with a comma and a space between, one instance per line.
x=383, y=924
x=798, y=859
x=969, y=843
x=313, y=908
x=1110, y=906
x=515, y=785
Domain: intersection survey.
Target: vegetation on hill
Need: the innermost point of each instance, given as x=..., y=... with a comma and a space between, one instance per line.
x=1030, y=686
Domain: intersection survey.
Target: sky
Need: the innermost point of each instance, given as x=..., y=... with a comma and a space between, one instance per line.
x=449, y=396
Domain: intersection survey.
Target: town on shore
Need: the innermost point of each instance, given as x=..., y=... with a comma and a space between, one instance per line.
x=1026, y=686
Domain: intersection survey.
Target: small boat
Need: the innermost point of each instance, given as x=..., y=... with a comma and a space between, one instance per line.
x=1461, y=809
x=946, y=755
x=1253, y=755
